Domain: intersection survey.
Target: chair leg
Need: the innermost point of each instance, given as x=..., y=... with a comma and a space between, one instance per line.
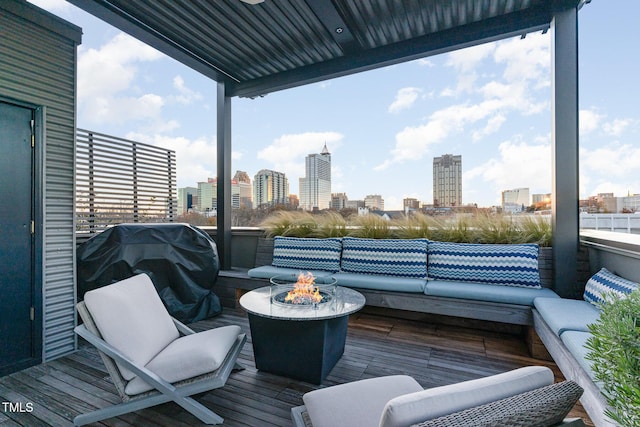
x=120, y=409
x=203, y=413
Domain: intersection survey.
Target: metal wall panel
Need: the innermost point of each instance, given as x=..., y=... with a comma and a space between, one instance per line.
x=38, y=67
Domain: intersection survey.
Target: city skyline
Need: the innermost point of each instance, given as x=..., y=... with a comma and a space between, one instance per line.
x=489, y=103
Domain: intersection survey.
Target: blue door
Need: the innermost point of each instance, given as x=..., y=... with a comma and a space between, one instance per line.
x=16, y=239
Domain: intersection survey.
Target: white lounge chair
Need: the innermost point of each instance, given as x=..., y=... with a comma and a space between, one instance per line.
x=151, y=357
x=522, y=397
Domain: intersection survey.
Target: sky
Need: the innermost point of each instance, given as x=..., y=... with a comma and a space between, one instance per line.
x=490, y=103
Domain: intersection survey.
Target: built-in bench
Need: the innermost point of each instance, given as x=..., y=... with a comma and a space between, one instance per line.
x=562, y=325
x=459, y=298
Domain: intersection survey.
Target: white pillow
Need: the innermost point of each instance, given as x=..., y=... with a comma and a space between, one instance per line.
x=131, y=317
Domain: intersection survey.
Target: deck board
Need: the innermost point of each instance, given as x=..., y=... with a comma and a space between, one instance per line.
x=434, y=354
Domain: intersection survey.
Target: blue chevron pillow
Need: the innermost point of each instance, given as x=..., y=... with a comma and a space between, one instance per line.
x=510, y=265
x=605, y=282
x=307, y=253
x=388, y=257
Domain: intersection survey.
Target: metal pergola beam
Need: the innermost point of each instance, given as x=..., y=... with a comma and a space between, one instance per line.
x=473, y=34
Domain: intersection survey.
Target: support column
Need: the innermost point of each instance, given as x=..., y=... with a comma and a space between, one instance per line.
x=564, y=137
x=223, y=235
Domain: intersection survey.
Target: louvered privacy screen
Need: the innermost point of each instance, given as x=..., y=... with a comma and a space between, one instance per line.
x=122, y=181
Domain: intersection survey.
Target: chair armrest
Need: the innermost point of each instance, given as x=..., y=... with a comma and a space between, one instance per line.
x=542, y=407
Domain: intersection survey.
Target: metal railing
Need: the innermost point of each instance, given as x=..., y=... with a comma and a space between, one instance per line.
x=119, y=181
x=622, y=223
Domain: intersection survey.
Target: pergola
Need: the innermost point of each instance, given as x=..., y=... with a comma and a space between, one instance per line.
x=251, y=48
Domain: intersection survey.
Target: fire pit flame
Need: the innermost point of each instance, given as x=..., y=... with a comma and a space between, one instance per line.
x=304, y=291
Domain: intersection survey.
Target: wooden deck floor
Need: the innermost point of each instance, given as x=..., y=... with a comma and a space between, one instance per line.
x=376, y=345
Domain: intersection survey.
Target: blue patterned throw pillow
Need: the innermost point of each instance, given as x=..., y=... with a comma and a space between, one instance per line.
x=388, y=257
x=605, y=282
x=307, y=253
x=509, y=265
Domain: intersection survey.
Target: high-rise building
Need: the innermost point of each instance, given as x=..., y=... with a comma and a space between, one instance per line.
x=315, y=187
x=447, y=180
x=410, y=203
x=270, y=188
x=516, y=200
x=242, y=181
x=339, y=201
x=208, y=194
x=374, y=202
x=186, y=196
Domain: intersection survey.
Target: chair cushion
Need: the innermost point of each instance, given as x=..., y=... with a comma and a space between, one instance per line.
x=388, y=257
x=439, y=401
x=358, y=403
x=383, y=283
x=562, y=314
x=576, y=341
x=604, y=282
x=485, y=292
x=307, y=253
x=511, y=265
x=131, y=317
x=188, y=357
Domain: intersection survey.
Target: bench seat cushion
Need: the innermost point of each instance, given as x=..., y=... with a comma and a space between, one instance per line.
x=485, y=292
x=269, y=271
x=576, y=341
x=382, y=283
x=358, y=403
x=566, y=314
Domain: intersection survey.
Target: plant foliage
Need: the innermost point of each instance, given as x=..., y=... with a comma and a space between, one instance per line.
x=614, y=349
x=483, y=228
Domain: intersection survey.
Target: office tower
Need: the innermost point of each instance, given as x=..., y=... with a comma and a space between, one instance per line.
x=315, y=187
x=410, y=203
x=374, y=202
x=208, y=197
x=242, y=182
x=339, y=201
x=447, y=181
x=270, y=188
x=516, y=200
x=186, y=202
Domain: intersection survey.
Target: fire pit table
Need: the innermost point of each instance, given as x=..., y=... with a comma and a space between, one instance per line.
x=300, y=334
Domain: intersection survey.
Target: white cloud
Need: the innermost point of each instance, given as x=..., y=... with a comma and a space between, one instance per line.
x=520, y=164
x=612, y=160
x=526, y=69
x=105, y=73
x=424, y=62
x=493, y=125
x=466, y=60
x=616, y=127
x=405, y=98
x=286, y=154
x=589, y=121
x=195, y=158
x=185, y=95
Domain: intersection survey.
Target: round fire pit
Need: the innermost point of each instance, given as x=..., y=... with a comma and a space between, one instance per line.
x=303, y=290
